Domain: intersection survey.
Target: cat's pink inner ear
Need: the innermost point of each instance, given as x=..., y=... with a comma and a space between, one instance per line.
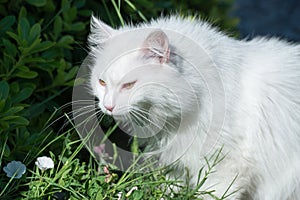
x=157, y=45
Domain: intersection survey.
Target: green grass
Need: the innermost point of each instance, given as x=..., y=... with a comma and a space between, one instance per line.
x=72, y=178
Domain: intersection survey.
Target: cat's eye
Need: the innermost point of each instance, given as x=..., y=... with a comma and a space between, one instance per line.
x=102, y=82
x=128, y=85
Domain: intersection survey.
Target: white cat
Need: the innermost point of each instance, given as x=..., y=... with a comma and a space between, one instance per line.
x=194, y=90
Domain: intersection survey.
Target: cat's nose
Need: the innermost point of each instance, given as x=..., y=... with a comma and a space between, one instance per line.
x=109, y=108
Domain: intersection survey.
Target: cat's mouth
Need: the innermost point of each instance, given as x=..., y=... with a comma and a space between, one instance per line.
x=118, y=112
x=130, y=113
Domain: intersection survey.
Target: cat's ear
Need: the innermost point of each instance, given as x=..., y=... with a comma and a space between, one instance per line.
x=99, y=32
x=156, y=45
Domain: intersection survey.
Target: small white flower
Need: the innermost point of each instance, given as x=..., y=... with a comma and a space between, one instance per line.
x=131, y=190
x=44, y=163
x=14, y=169
x=119, y=195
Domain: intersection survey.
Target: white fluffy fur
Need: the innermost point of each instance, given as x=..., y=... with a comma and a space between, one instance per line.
x=261, y=80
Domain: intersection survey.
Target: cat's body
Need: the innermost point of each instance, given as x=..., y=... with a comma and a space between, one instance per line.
x=254, y=99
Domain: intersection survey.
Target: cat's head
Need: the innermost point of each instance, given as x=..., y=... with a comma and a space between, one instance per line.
x=134, y=72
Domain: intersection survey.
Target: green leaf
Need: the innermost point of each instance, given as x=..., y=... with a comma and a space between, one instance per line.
x=49, y=7
x=70, y=15
x=16, y=120
x=65, y=41
x=34, y=110
x=10, y=48
x=9, y=118
x=6, y=105
x=58, y=25
x=37, y=3
x=85, y=13
x=35, y=60
x=35, y=32
x=6, y=23
x=23, y=68
x=65, y=4
x=79, y=3
x=6, y=152
x=59, y=79
x=78, y=26
x=4, y=125
x=22, y=13
x=99, y=195
x=28, y=50
x=14, y=87
x=71, y=74
x=23, y=28
x=13, y=110
x=138, y=194
x=2, y=104
x=42, y=46
x=26, y=74
x=15, y=37
x=4, y=90
x=22, y=95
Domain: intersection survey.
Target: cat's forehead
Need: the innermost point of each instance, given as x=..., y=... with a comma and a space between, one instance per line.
x=122, y=67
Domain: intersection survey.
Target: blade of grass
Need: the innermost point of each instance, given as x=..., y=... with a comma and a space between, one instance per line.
x=111, y=21
x=3, y=149
x=118, y=11
x=132, y=6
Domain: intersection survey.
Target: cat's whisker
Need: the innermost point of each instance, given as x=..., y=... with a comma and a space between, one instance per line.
x=145, y=118
x=87, y=50
x=77, y=102
x=82, y=112
x=84, y=108
x=100, y=113
x=74, y=112
x=88, y=119
x=140, y=113
x=157, y=116
x=59, y=118
x=61, y=108
x=73, y=118
x=143, y=129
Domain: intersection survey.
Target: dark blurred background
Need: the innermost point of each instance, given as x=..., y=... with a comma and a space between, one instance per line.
x=268, y=17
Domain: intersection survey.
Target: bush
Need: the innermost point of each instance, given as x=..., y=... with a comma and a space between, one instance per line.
x=38, y=65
